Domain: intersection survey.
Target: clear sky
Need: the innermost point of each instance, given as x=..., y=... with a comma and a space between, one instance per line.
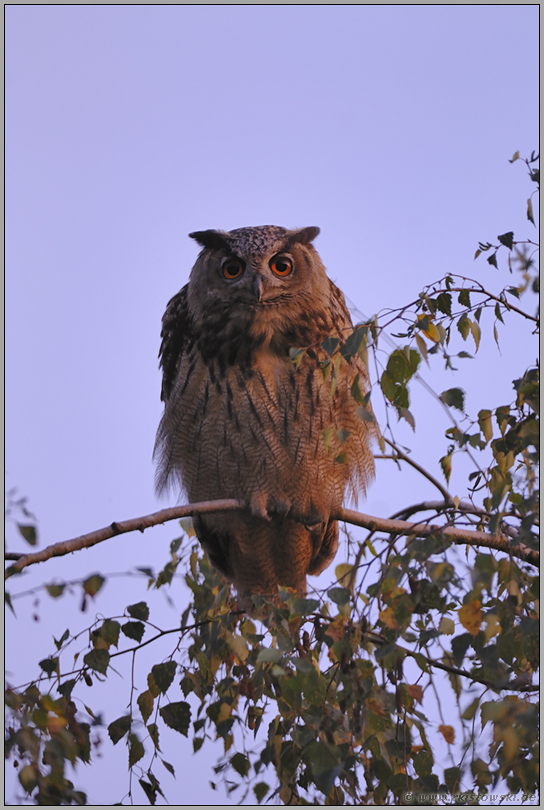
x=129, y=126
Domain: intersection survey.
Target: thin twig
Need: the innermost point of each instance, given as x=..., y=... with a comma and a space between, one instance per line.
x=422, y=470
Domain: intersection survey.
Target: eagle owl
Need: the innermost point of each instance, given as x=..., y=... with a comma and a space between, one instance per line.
x=242, y=420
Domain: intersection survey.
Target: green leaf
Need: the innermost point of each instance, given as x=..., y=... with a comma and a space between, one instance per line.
x=464, y=298
x=295, y=356
x=28, y=778
x=365, y=414
x=49, y=665
x=139, y=611
x=463, y=325
x=149, y=790
x=134, y=630
x=145, y=704
x=530, y=215
x=493, y=259
x=66, y=688
x=507, y=239
x=408, y=416
x=325, y=763
x=29, y=533
x=55, y=590
x=97, y=660
x=471, y=710
x=268, y=655
x=355, y=341
x=110, y=632
x=119, y=728
x=169, y=768
x=240, y=763
x=445, y=463
x=65, y=636
x=163, y=675
x=260, y=790
x=454, y=398
x=340, y=596
x=92, y=585
x=135, y=750
x=177, y=716
x=452, y=779
x=443, y=303
x=357, y=394
x=7, y=600
x=330, y=345
x=484, y=422
x=154, y=734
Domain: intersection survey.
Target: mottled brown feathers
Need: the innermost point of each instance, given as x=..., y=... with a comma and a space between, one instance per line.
x=241, y=422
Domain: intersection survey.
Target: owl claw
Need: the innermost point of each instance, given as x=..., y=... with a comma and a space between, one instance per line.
x=278, y=508
x=257, y=507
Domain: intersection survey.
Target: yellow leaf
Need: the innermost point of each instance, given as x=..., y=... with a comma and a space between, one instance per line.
x=448, y=732
x=493, y=626
x=422, y=346
x=342, y=573
x=387, y=617
x=238, y=646
x=470, y=616
x=225, y=712
x=415, y=691
x=476, y=333
x=336, y=630
x=446, y=626
x=511, y=742
x=432, y=332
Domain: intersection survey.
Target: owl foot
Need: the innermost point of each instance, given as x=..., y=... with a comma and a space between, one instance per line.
x=272, y=508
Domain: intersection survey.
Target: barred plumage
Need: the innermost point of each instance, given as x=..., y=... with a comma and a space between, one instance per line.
x=240, y=421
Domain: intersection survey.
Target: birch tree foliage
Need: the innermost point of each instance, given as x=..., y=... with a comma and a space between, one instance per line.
x=411, y=679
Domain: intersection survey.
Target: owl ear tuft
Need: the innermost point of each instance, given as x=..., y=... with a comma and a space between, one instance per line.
x=210, y=239
x=305, y=235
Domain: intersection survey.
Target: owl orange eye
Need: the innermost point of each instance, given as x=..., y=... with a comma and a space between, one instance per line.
x=233, y=268
x=281, y=265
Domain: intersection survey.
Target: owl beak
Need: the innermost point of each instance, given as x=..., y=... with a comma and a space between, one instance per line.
x=258, y=288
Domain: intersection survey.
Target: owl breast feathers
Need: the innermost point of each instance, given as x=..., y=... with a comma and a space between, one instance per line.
x=241, y=421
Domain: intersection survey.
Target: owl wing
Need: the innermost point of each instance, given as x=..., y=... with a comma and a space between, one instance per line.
x=176, y=339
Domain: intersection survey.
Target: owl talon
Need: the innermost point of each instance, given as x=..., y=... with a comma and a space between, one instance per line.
x=258, y=508
x=278, y=509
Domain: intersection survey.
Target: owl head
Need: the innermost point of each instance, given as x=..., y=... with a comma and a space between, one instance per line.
x=260, y=279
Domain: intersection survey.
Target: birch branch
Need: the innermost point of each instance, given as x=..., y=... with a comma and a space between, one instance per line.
x=400, y=527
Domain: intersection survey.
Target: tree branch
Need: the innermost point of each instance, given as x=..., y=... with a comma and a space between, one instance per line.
x=462, y=536
x=402, y=527
x=514, y=686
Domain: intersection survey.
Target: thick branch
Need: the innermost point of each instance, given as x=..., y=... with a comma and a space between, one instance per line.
x=458, y=535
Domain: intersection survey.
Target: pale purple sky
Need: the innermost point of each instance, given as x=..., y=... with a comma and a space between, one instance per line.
x=130, y=126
